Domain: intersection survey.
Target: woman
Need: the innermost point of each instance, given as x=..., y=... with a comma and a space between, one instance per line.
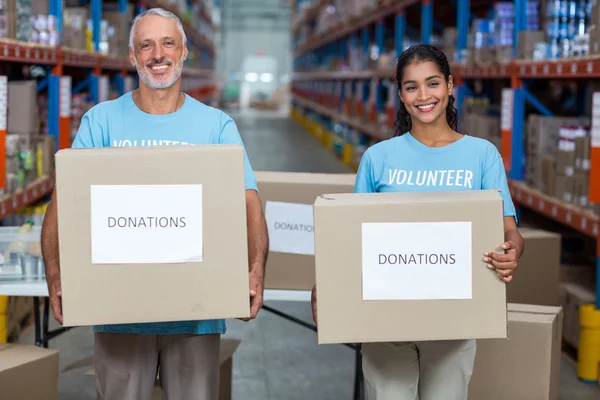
x=426, y=140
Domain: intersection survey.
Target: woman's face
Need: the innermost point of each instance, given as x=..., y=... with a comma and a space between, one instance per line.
x=424, y=91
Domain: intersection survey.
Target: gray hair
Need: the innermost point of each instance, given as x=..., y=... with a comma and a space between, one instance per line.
x=162, y=13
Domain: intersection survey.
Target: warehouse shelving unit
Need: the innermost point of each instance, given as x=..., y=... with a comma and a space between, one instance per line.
x=323, y=100
x=71, y=71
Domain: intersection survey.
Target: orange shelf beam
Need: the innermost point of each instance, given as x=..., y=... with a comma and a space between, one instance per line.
x=580, y=219
x=33, y=192
x=345, y=29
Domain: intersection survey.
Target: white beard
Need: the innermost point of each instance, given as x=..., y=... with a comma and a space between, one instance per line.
x=153, y=83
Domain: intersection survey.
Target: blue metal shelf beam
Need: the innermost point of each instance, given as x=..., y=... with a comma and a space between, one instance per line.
x=426, y=21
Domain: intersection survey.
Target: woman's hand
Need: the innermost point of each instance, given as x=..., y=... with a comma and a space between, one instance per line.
x=313, y=302
x=504, y=264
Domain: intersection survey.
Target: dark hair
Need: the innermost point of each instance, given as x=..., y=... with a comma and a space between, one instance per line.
x=422, y=52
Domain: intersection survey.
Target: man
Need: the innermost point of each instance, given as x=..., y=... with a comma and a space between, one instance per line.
x=127, y=357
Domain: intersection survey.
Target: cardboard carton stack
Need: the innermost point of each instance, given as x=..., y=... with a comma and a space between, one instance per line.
x=481, y=120
x=75, y=28
x=28, y=153
x=558, y=157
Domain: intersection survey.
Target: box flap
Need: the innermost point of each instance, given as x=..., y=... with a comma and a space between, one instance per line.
x=154, y=150
x=533, y=309
x=380, y=198
x=304, y=178
x=13, y=355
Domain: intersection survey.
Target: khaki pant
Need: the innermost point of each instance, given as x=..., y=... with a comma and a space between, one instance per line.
x=437, y=370
x=127, y=364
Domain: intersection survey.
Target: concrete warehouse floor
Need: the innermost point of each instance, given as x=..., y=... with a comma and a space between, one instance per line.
x=277, y=359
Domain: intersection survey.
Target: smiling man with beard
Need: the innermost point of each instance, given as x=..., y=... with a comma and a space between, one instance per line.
x=127, y=357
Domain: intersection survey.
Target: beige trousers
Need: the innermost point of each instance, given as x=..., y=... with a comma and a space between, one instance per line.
x=127, y=364
x=437, y=370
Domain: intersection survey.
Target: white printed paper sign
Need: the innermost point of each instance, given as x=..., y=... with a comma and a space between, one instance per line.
x=290, y=227
x=144, y=224
x=417, y=261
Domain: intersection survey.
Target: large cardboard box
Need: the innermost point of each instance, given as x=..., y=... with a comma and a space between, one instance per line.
x=537, y=277
x=525, y=366
x=408, y=266
x=288, y=199
x=28, y=372
x=149, y=234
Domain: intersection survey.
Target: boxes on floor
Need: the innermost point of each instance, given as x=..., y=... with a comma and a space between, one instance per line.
x=288, y=199
x=527, y=364
x=537, y=278
x=21, y=365
x=573, y=297
x=150, y=234
x=408, y=266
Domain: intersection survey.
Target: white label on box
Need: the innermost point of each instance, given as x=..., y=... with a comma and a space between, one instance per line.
x=146, y=224
x=290, y=227
x=417, y=261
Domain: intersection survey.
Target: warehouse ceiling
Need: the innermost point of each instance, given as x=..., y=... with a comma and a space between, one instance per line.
x=255, y=15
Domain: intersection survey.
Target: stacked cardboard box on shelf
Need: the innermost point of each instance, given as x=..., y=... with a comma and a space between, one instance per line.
x=558, y=157
x=481, y=120
x=29, y=153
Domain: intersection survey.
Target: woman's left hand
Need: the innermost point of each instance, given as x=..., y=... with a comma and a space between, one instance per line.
x=504, y=264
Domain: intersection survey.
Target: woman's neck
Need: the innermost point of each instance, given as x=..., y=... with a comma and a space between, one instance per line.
x=435, y=134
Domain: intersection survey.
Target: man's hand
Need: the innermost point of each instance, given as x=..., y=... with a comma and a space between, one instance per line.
x=55, y=292
x=504, y=264
x=258, y=248
x=256, y=295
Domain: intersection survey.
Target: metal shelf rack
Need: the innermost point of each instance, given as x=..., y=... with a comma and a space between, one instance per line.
x=323, y=99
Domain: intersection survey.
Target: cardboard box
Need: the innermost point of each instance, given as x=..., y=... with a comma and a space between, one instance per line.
x=548, y=175
x=542, y=132
x=573, y=297
x=536, y=280
x=525, y=366
x=21, y=365
x=408, y=266
x=175, y=250
x=288, y=199
x=23, y=111
x=527, y=43
x=565, y=188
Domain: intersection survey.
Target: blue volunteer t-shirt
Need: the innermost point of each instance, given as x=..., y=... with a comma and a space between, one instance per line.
x=403, y=164
x=120, y=123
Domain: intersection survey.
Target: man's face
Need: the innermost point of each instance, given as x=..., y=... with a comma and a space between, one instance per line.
x=158, y=52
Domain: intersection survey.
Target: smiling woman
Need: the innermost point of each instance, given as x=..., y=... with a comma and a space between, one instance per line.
x=429, y=155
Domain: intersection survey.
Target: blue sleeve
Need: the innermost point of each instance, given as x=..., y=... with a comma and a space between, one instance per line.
x=364, y=176
x=230, y=135
x=90, y=133
x=494, y=177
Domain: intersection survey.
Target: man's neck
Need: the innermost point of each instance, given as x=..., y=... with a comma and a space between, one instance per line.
x=158, y=101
